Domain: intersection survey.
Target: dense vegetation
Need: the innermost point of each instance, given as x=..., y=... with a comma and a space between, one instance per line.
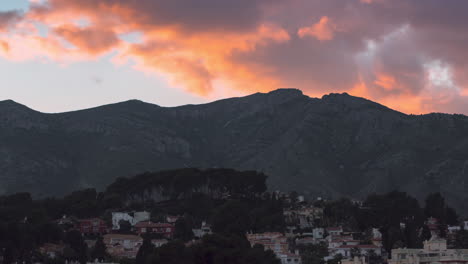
x=232, y=202
x=390, y=212
x=216, y=195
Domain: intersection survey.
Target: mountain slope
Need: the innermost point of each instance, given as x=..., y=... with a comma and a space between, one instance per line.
x=334, y=146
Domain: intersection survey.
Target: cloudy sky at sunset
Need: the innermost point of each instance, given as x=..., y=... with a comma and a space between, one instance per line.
x=61, y=55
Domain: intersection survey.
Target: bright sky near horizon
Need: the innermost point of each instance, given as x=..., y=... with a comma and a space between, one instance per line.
x=62, y=55
x=52, y=87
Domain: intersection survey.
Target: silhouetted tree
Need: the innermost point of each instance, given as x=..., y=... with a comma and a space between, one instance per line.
x=145, y=251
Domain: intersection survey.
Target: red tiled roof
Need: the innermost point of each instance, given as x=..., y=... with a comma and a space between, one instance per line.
x=151, y=224
x=358, y=246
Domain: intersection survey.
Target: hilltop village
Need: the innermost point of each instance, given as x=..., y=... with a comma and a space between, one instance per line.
x=224, y=216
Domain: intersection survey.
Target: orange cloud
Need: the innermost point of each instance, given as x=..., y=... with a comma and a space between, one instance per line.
x=89, y=40
x=323, y=30
x=387, y=82
x=215, y=46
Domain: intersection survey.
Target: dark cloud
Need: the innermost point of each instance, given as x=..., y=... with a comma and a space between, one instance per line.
x=9, y=17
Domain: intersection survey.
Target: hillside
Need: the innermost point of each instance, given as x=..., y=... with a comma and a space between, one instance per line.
x=338, y=145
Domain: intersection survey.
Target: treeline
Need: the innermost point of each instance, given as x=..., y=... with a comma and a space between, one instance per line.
x=183, y=183
x=26, y=224
x=399, y=217
x=215, y=249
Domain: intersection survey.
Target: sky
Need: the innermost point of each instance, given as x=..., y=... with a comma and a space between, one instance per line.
x=63, y=55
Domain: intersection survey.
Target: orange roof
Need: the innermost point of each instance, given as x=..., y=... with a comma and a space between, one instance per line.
x=151, y=224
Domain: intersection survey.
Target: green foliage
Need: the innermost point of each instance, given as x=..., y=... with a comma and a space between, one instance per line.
x=437, y=207
x=340, y=212
x=231, y=218
x=313, y=254
x=461, y=239
x=99, y=251
x=78, y=248
x=177, y=184
x=183, y=229
x=145, y=251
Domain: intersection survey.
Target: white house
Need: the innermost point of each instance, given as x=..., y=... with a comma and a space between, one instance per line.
x=133, y=218
x=434, y=252
x=205, y=229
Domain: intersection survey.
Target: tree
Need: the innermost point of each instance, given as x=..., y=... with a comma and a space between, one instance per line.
x=231, y=218
x=145, y=251
x=461, y=239
x=77, y=244
x=313, y=254
x=355, y=252
x=183, y=229
x=99, y=251
x=426, y=233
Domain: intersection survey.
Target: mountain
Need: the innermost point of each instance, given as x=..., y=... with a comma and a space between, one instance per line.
x=338, y=145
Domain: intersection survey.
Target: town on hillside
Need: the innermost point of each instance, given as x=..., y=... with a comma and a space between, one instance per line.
x=237, y=225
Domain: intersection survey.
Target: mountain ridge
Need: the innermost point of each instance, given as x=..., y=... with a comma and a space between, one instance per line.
x=338, y=145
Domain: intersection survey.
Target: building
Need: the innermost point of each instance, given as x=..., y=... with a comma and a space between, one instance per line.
x=434, y=252
x=123, y=246
x=318, y=233
x=51, y=250
x=303, y=217
x=347, y=251
x=133, y=218
x=290, y=258
x=148, y=227
x=376, y=237
x=171, y=219
x=205, y=229
x=335, y=231
x=355, y=260
x=159, y=242
x=277, y=243
x=93, y=226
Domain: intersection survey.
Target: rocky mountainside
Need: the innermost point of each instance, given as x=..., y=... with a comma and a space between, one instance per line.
x=338, y=145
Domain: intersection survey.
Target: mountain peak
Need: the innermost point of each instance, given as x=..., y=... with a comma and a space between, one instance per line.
x=351, y=101
x=287, y=92
x=12, y=105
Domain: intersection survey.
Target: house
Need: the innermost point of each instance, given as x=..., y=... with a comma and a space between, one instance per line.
x=133, y=218
x=92, y=226
x=433, y=225
x=306, y=241
x=434, y=252
x=172, y=219
x=290, y=258
x=376, y=237
x=348, y=241
x=51, y=250
x=122, y=246
x=276, y=242
x=304, y=217
x=347, y=251
x=159, y=242
x=205, y=229
x=335, y=231
x=355, y=260
x=148, y=227
x=318, y=233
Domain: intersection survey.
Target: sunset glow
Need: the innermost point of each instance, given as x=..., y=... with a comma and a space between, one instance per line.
x=414, y=60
